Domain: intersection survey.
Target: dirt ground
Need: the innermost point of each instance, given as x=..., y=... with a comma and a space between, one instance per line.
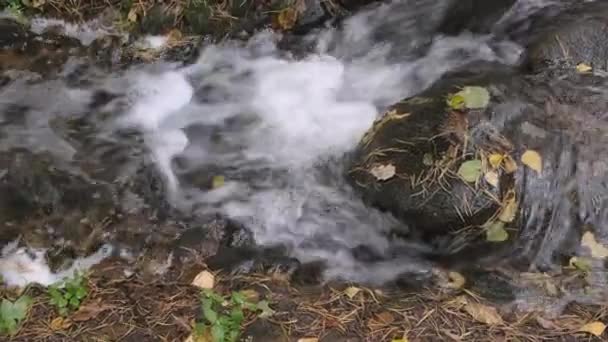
x=121, y=308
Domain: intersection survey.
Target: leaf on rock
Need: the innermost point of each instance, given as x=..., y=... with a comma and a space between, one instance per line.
x=352, y=291
x=582, y=264
x=474, y=97
x=456, y=101
x=594, y=328
x=533, y=160
x=483, y=313
x=470, y=170
x=217, y=182
x=509, y=164
x=495, y=160
x=509, y=208
x=597, y=250
x=491, y=178
x=204, y=280
x=496, y=232
x=383, y=172
x=583, y=68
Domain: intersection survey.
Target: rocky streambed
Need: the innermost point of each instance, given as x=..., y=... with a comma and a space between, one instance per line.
x=482, y=188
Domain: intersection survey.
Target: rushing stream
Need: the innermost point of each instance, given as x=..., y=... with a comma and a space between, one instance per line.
x=276, y=126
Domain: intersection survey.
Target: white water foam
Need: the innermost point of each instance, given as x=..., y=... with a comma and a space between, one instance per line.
x=276, y=127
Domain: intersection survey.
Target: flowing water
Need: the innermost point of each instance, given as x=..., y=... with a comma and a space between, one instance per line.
x=276, y=125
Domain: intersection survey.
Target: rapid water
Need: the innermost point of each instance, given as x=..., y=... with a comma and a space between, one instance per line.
x=275, y=125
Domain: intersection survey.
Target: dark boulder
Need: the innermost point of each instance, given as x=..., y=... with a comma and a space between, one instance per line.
x=562, y=119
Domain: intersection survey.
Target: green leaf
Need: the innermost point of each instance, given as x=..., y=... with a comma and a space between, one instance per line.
x=209, y=313
x=238, y=298
x=81, y=293
x=74, y=302
x=237, y=316
x=470, y=170
x=218, y=333
x=456, y=101
x=11, y=314
x=474, y=97
x=496, y=232
x=233, y=335
x=267, y=311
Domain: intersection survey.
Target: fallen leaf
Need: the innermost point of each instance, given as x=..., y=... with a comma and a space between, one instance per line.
x=286, y=19
x=132, y=15
x=492, y=178
x=204, y=280
x=509, y=164
x=456, y=101
x=308, y=339
x=60, y=323
x=483, y=313
x=89, y=311
x=352, y=291
x=217, y=182
x=38, y=3
x=470, y=170
x=509, y=208
x=473, y=97
x=496, y=232
x=533, y=160
x=582, y=264
x=495, y=160
x=545, y=323
x=597, y=250
x=457, y=280
x=594, y=328
x=385, y=317
x=251, y=296
x=583, y=68
x=427, y=159
x=404, y=339
x=383, y=172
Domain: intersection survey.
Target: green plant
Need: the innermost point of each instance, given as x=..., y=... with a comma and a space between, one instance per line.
x=69, y=294
x=12, y=313
x=223, y=315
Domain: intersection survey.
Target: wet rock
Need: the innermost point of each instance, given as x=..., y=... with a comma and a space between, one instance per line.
x=562, y=119
x=575, y=36
x=478, y=16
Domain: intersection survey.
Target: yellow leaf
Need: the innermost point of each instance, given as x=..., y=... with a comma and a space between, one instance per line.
x=286, y=19
x=60, y=323
x=352, y=291
x=594, y=328
x=582, y=264
x=509, y=208
x=492, y=178
x=583, y=68
x=597, y=250
x=217, y=182
x=496, y=232
x=38, y=3
x=204, y=280
x=401, y=340
x=308, y=339
x=495, y=160
x=533, y=160
x=383, y=172
x=483, y=313
x=510, y=164
x=132, y=15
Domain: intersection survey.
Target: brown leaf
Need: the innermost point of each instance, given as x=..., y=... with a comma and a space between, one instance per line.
x=546, y=324
x=483, y=313
x=509, y=164
x=457, y=280
x=252, y=296
x=385, y=317
x=509, y=207
x=286, y=19
x=60, y=323
x=89, y=311
x=204, y=280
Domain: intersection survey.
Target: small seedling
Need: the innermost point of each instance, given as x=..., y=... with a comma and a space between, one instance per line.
x=68, y=295
x=223, y=316
x=13, y=313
